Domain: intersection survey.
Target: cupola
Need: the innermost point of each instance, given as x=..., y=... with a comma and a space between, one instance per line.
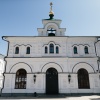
x=51, y=26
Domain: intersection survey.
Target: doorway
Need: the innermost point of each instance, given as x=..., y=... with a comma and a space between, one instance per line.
x=51, y=81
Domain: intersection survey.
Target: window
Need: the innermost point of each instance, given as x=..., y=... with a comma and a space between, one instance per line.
x=20, y=81
x=51, y=48
x=17, y=50
x=57, y=49
x=75, y=50
x=46, y=49
x=86, y=50
x=51, y=32
x=83, y=79
x=28, y=50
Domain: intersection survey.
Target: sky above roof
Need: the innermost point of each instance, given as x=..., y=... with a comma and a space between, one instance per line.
x=23, y=17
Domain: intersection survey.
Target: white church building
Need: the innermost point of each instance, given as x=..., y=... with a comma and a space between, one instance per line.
x=52, y=63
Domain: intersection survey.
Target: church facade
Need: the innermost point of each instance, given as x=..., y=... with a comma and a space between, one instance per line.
x=52, y=63
x=2, y=67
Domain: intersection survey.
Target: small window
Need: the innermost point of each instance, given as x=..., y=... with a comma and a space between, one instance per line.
x=51, y=48
x=86, y=50
x=75, y=50
x=28, y=50
x=46, y=49
x=17, y=50
x=57, y=50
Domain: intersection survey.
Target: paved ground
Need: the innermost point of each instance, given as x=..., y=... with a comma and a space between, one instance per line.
x=61, y=97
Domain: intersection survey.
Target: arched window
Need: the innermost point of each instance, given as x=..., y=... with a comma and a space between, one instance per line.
x=46, y=49
x=20, y=81
x=75, y=50
x=83, y=79
x=17, y=50
x=51, y=48
x=86, y=50
x=28, y=50
x=57, y=49
x=51, y=32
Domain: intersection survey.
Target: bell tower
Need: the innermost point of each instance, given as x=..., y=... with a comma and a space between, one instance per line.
x=51, y=26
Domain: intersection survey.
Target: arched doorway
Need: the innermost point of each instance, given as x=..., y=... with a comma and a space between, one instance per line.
x=83, y=79
x=51, y=81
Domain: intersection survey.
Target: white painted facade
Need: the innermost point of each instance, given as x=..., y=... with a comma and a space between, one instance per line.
x=2, y=68
x=65, y=62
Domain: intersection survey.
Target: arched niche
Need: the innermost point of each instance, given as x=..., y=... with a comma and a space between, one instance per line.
x=51, y=25
x=51, y=29
x=18, y=66
x=51, y=65
x=86, y=66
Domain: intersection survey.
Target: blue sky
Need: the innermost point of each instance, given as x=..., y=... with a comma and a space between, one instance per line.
x=23, y=17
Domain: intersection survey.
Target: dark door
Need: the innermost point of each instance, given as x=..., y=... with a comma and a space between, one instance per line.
x=83, y=79
x=51, y=81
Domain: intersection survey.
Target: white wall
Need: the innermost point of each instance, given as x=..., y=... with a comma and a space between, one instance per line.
x=38, y=66
x=2, y=68
x=66, y=45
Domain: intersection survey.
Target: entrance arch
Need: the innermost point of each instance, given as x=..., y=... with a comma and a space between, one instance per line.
x=51, y=81
x=51, y=64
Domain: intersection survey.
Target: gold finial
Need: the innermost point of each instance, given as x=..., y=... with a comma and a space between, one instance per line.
x=51, y=12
